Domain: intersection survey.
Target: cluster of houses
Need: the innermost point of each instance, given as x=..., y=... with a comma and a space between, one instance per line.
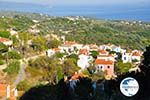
x=104, y=61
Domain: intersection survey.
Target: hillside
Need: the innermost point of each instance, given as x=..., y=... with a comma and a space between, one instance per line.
x=132, y=34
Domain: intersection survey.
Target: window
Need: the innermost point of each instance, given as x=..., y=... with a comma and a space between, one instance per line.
x=108, y=66
x=124, y=58
x=101, y=67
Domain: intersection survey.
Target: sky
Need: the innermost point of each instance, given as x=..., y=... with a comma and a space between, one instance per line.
x=82, y=2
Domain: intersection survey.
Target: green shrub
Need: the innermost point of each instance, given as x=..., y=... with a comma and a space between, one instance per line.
x=3, y=48
x=4, y=34
x=13, y=67
x=23, y=85
x=1, y=62
x=13, y=55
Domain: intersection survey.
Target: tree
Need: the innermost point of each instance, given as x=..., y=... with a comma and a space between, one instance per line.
x=121, y=67
x=53, y=43
x=23, y=85
x=24, y=37
x=3, y=48
x=13, y=55
x=39, y=43
x=94, y=54
x=15, y=41
x=13, y=67
x=59, y=55
x=39, y=63
x=70, y=66
x=51, y=68
x=4, y=34
x=74, y=56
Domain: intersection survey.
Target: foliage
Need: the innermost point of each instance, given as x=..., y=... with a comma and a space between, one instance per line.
x=70, y=66
x=39, y=43
x=39, y=63
x=94, y=54
x=23, y=85
x=91, y=69
x=13, y=67
x=121, y=67
x=98, y=76
x=13, y=55
x=74, y=56
x=1, y=62
x=50, y=67
x=53, y=43
x=15, y=40
x=4, y=34
x=86, y=72
x=3, y=48
x=59, y=55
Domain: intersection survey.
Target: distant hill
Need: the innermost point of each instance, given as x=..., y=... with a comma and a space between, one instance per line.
x=129, y=34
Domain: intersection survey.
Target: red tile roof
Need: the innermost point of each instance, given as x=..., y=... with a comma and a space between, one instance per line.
x=103, y=52
x=103, y=62
x=84, y=51
x=70, y=43
x=136, y=53
x=3, y=39
x=56, y=49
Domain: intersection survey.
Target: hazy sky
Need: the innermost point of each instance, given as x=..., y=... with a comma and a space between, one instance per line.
x=82, y=2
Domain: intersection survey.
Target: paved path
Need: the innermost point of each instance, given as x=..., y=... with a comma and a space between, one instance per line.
x=21, y=75
x=23, y=64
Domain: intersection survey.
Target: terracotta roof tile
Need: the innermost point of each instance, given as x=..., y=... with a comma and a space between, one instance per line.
x=103, y=52
x=136, y=54
x=3, y=39
x=104, y=62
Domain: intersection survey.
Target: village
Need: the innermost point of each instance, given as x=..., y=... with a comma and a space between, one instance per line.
x=106, y=55
x=102, y=57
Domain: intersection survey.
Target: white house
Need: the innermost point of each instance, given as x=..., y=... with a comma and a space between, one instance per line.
x=105, y=47
x=84, y=61
x=136, y=55
x=106, y=57
x=93, y=47
x=70, y=46
x=6, y=41
x=127, y=57
x=51, y=52
x=116, y=48
x=14, y=33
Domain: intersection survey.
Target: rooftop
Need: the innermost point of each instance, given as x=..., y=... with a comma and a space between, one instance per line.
x=104, y=62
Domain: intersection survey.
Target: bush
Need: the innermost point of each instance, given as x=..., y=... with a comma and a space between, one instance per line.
x=1, y=62
x=4, y=34
x=23, y=85
x=3, y=48
x=121, y=67
x=13, y=55
x=13, y=67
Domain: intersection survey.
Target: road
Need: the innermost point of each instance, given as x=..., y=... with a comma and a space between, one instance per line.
x=23, y=64
x=21, y=75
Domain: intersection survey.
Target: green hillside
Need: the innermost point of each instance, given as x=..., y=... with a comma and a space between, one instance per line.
x=132, y=34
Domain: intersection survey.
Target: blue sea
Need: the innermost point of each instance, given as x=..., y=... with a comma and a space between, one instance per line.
x=115, y=12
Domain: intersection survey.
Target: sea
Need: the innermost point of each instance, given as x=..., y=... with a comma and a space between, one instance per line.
x=109, y=12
